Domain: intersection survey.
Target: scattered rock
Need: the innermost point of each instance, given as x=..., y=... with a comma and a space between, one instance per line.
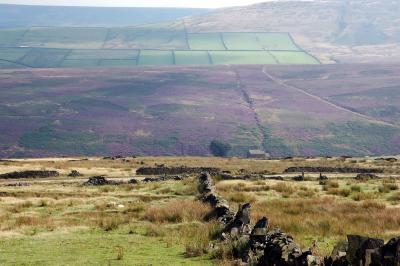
x=162, y=178
x=391, y=159
x=74, y=173
x=258, y=240
x=18, y=185
x=322, y=177
x=29, y=174
x=366, y=176
x=282, y=250
x=115, y=205
x=389, y=254
x=99, y=181
x=133, y=181
x=241, y=222
x=365, y=251
x=299, y=177
x=113, y=157
x=356, y=254
x=279, y=178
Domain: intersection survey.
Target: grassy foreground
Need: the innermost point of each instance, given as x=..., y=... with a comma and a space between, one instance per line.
x=58, y=221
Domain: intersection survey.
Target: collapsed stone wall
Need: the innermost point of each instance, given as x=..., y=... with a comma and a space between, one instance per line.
x=262, y=247
x=320, y=169
x=266, y=247
x=164, y=170
x=29, y=174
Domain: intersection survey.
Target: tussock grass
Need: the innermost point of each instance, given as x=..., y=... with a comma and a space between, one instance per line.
x=111, y=222
x=338, y=192
x=197, y=238
x=359, y=196
x=329, y=184
x=328, y=216
x=177, y=211
x=283, y=188
x=394, y=197
x=241, y=197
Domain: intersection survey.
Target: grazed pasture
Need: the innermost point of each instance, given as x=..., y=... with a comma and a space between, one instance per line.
x=154, y=44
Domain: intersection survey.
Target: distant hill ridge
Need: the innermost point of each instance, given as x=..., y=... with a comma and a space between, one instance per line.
x=335, y=31
x=61, y=16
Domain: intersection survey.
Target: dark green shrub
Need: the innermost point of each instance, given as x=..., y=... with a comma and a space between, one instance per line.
x=219, y=148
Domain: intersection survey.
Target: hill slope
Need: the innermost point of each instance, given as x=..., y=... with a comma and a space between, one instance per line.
x=348, y=30
x=286, y=110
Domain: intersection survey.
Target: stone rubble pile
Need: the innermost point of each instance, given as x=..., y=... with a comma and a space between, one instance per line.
x=74, y=173
x=100, y=181
x=359, y=250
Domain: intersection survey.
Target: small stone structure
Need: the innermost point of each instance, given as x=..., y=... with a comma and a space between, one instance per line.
x=74, y=173
x=257, y=154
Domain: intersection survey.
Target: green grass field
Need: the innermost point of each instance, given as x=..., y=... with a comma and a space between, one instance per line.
x=10, y=37
x=288, y=57
x=103, y=54
x=156, y=57
x=94, y=247
x=155, y=44
x=206, y=41
x=77, y=38
x=276, y=41
x=192, y=58
x=12, y=54
x=241, y=57
x=44, y=57
x=241, y=41
x=145, y=38
x=6, y=64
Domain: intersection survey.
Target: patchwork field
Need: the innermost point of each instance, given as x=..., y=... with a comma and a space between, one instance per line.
x=59, y=219
x=154, y=44
x=284, y=110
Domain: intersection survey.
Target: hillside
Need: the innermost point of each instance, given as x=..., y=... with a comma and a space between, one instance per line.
x=17, y=16
x=286, y=110
x=334, y=31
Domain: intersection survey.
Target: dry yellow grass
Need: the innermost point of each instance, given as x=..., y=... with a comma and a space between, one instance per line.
x=177, y=211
